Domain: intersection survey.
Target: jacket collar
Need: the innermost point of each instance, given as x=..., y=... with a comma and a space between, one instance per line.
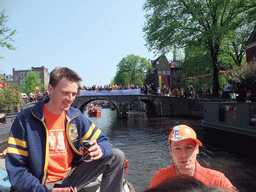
x=38, y=108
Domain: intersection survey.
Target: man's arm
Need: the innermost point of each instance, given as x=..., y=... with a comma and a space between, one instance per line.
x=17, y=163
x=92, y=132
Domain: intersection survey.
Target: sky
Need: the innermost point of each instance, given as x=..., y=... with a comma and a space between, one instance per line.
x=89, y=36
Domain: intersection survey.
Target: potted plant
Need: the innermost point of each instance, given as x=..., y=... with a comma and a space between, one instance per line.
x=243, y=80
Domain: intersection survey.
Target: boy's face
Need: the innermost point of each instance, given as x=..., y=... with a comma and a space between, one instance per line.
x=184, y=153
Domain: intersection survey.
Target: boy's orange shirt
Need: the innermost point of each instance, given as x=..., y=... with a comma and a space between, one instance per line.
x=205, y=175
x=60, y=155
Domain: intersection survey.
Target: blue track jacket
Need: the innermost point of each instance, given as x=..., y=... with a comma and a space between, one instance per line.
x=28, y=147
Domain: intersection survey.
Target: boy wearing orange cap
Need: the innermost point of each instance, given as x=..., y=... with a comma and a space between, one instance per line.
x=184, y=147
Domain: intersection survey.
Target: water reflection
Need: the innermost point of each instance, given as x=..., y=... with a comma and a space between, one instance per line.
x=144, y=142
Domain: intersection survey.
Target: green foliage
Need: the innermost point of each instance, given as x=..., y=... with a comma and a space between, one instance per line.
x=208, y=23
x=198, y=62
x=30, y=82
x=233, y=46
x=243, y=78
x=5, y=33
x=10, y=97
x=132, y=69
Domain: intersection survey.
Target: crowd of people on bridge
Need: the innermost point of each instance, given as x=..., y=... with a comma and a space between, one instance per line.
x=150, y=89
x=146, y=89
x=168, y=91
x=108, y=87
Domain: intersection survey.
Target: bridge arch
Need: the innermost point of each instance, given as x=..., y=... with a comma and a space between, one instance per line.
x=86, y=102
x=122, y=105
x=151, y=107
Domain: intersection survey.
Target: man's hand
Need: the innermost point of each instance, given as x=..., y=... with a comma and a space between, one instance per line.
x=3, y=154
x=95, y=150
x=70, y=189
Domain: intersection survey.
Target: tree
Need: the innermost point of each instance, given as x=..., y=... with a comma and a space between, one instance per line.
x=30, y=82
x=132, y=69
x=234, y=46
x=197, y=62
x=181, y=23
x=10, y=97
x=243, y=78
x=5, y=33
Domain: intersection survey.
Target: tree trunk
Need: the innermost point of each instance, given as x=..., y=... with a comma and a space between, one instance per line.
x=216, y=82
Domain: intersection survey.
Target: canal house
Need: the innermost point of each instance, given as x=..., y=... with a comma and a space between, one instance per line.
x=165, y=72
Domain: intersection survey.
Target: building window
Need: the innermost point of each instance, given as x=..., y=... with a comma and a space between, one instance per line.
x=163, y=72
x=168, y=72
x=159, y=72
x=22, y=81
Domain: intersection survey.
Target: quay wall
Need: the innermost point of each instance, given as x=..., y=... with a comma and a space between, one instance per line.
x=181, y=107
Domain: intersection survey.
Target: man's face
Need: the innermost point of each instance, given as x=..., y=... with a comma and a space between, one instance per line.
x=63, y=95
x=184, y=153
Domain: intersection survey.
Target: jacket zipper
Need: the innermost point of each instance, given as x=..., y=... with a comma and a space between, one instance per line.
x=46, y=149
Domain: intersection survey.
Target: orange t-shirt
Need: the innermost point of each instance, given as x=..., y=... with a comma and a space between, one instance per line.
x=60, y=155
x=207, y=176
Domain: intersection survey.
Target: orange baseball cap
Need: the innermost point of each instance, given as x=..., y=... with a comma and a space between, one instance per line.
x=181, y=132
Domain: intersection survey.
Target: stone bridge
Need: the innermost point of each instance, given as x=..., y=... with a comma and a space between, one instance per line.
x=156, y=105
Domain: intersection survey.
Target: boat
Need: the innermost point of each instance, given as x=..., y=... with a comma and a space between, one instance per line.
x=233, y=116
x=94, y=111
x=106, y=104
x=5, y=185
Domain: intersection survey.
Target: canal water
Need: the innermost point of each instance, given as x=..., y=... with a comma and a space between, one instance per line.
x=144, y=142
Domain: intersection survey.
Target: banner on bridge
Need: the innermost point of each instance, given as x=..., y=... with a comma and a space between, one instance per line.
x=111, y=92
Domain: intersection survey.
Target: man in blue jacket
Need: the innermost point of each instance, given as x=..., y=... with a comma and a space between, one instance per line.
x=45, y=140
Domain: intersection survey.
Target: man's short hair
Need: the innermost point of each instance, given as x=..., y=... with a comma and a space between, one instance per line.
x=63, y=72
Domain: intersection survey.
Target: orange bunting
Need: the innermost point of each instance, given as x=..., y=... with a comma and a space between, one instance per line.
x=204, y=75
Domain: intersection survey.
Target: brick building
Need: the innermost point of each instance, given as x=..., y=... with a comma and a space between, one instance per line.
x=19, y=75
x=165, y=72
x=250, y=46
